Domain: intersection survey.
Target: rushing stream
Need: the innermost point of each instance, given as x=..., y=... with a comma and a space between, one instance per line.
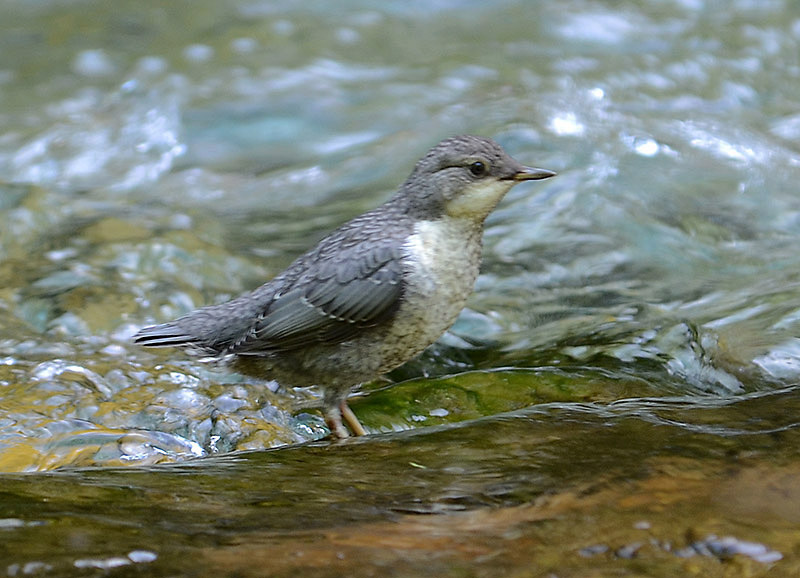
x=620, y=397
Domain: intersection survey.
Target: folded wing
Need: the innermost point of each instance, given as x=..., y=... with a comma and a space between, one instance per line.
x=329, y=304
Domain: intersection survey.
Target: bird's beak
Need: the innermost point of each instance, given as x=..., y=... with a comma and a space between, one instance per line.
x=532, y=174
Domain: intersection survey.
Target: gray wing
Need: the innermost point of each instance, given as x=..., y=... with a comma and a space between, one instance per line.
x=332, y=302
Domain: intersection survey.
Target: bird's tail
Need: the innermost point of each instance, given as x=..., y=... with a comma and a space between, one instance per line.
x=164, y=335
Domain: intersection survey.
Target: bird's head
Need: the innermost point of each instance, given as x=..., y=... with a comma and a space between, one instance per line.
x=463, y=177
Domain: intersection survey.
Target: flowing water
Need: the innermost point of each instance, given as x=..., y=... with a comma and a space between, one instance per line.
x=620, y=396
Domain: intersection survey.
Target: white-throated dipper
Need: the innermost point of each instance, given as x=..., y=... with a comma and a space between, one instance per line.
x=371, y=295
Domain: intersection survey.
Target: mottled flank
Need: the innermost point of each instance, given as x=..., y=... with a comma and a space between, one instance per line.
x=371, y=295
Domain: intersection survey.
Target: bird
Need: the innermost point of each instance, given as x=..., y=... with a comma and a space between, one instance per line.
x=371, y=295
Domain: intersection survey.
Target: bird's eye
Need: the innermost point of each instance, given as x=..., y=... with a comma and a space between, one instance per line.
x=478, y=169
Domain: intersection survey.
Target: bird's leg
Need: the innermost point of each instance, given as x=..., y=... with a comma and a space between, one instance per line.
x=333, y=419
x=351, y=420
x=335, y=409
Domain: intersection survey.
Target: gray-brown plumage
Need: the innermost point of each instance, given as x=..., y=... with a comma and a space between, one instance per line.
x=371, y=295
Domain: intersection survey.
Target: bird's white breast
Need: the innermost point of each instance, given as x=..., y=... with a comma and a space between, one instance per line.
x=442, y=263
x=444, y=254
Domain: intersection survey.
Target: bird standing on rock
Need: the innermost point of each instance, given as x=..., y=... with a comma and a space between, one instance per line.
x=371, y=295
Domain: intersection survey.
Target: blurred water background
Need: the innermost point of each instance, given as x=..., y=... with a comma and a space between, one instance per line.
x=620, y=396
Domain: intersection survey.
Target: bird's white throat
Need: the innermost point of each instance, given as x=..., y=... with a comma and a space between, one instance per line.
x=478, y=199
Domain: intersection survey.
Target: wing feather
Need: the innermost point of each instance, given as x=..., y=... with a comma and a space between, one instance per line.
x=333, y=304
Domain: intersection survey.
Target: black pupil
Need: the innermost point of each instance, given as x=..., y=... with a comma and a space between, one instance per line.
x=477, y=168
